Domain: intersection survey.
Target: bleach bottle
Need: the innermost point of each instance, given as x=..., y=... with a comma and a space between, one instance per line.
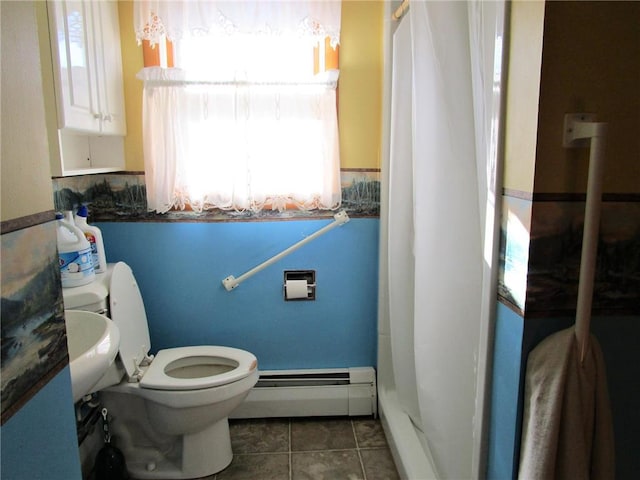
x=74, y=253
x=94, y=236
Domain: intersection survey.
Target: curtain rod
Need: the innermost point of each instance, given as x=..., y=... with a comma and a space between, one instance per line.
x=330, y=85
x=400, y=11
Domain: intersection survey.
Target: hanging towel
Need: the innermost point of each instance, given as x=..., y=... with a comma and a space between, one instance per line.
x=567, y=430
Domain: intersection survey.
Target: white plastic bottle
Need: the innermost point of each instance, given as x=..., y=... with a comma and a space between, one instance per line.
x=94, y=236
x=74, y=252
x=68, y=217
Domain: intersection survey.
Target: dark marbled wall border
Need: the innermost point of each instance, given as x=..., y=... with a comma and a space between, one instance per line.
x=514, y=252
x=555, y=250
x=540, y=254
x=122, y=197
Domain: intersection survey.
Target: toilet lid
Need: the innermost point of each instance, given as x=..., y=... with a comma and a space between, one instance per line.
x=194, y=368
x=127, y=312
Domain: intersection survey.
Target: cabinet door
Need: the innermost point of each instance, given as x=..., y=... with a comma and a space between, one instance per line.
x=109, y=67
x=72, y=43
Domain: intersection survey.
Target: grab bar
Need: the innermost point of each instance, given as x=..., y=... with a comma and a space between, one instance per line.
x=581, y=130
x=231, y=282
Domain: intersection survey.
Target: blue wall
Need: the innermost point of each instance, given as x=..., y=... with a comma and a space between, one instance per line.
x=39, y=441
x=179, y=267
x=619, y=337
x=515, y=337
x=505, y=392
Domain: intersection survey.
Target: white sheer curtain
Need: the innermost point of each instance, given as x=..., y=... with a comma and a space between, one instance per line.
x=242, y=122
x=181, y=18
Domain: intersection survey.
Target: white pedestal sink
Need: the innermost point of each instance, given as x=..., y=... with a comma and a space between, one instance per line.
x=93, y=342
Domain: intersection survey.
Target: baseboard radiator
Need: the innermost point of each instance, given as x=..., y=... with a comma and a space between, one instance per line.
x=312, y=393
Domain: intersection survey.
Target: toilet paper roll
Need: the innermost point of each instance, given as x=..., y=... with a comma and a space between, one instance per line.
x=296, y=289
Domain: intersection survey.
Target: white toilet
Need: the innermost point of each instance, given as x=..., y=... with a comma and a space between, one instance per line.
x=169, y=411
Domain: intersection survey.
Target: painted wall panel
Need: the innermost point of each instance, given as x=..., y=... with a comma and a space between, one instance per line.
x=36, y=444
x=504, y=426
x=360, y=94
x=131, y=64
x=591, y=63
x=25, y=166
x=523, y=82
x=180, y=266
x=619, y=337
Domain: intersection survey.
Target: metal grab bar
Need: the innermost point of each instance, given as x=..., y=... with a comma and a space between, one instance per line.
x=231, y=282
x=578, y=127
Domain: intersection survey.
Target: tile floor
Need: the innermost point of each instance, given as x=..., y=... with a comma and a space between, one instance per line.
x=309, y=449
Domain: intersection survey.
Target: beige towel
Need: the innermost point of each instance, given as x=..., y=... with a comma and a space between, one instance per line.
x=567, y=431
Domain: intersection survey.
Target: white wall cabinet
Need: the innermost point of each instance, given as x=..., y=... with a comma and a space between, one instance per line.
x=88, y=87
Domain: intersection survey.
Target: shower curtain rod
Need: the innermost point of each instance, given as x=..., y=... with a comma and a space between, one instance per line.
x=400, y=11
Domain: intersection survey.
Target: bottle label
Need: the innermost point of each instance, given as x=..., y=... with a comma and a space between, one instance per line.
x=76, y=265
x=95, y=259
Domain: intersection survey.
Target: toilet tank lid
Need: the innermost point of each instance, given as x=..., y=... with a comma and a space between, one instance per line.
x=80, y=298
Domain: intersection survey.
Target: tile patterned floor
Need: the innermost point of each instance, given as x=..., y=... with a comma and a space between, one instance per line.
x=309, y=449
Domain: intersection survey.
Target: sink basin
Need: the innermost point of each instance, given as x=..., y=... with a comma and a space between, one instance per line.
x=93, y=342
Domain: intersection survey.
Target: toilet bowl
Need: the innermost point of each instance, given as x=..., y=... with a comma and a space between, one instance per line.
x=169, y=411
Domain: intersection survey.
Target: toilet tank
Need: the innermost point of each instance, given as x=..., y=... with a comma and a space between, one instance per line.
x=92, y=297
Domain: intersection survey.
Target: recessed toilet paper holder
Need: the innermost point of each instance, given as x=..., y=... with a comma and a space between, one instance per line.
x=293, y=279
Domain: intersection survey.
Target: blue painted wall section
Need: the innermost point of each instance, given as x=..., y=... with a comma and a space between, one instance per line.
x=504, y=434
x=540, y=299
x=180, y=266
x=618, y=336
x=39, y=441
x=38, y=433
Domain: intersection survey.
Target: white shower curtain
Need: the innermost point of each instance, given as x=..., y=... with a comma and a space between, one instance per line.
x=441, y=229
x=401, y=254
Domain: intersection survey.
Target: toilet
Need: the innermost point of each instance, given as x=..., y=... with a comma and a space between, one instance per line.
x=169, y=412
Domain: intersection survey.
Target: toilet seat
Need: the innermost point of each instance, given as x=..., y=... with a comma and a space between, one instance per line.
x=194, y=368
x=182, y=368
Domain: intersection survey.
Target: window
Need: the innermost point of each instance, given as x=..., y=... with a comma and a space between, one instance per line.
x=246, y=119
